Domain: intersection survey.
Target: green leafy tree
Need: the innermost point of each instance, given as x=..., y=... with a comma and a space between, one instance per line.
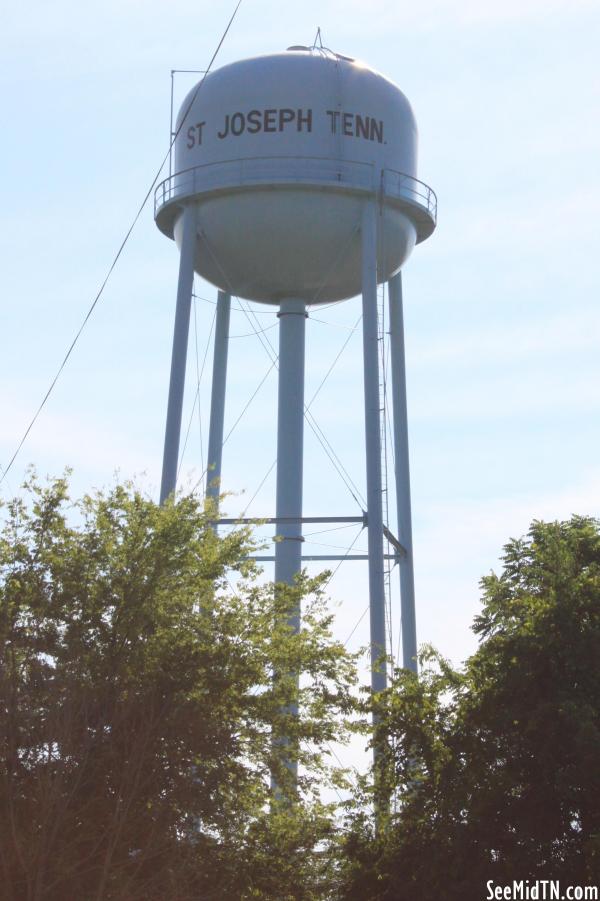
x=138, y=707
x=496, y=767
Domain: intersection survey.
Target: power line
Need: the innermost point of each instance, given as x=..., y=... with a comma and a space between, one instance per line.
x=118, y=253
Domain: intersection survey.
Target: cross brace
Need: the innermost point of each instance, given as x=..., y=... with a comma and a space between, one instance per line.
x=273, y=520
x=257, y=520
x=322, y=557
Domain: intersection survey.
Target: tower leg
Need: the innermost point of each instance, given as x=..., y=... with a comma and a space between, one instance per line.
x=290, y=444
x=290, y=439
x=407, y=578
x=373, y=446
x=217, y=401
x=179, y=355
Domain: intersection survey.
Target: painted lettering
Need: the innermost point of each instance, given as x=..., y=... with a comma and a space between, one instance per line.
x=238, y=124
x=376, y=131
x=253, y=119
x=348, y=125
x=303, y=120
x=194, y=134
x=225, y=132
x=270, y=120
x=285, y=116
x=352, y=125
x=362, y=127
x=333, y=118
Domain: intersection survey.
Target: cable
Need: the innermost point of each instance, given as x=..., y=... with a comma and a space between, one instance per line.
x=266, y=344
x=187, y=434
x=264, y=479
x=118, y=254
x=348, y=328
x=233, y=306
x=309, y=746
x=306, y=411
x=341, y=351
x=348, y=525
x=346, y=555
x=273, y=356
x=359, y=621
x=326, y=306
x=199, y=373
x=335, y=460
x=252, y=334
x=248, y=402
x=8, y=483
x=338, y=547
x=260, y=384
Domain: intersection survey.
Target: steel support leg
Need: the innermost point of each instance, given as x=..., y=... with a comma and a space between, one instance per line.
x=290, y=439
x=407, y=577
x=290, y=444
x=217, y=400
x=373, y=445
x=179, y=355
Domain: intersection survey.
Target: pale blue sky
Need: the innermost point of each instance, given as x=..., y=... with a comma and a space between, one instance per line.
x=502, y=316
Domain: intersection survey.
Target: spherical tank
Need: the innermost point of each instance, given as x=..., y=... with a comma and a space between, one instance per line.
x=278, y=154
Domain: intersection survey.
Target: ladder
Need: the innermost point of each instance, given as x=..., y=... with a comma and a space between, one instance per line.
x=383, y=408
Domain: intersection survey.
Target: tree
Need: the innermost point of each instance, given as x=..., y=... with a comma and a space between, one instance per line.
x=137, y=707
x=497, y=766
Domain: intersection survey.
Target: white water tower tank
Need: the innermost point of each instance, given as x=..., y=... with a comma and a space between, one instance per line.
x=278, y=153
x=295, y=184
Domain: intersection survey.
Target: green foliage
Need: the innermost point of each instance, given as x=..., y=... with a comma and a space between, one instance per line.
x=497, y=767
x=138, y=707
x=145, y=685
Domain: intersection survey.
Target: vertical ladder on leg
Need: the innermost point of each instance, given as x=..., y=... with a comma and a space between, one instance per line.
x=381, y=334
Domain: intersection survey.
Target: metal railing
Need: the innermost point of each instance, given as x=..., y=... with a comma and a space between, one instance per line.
x=398, y=184
x=292, y=170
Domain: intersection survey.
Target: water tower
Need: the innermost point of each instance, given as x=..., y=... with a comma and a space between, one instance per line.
x=295, y=184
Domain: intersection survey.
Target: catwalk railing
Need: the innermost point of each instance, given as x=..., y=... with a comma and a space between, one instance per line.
x=302, y=171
